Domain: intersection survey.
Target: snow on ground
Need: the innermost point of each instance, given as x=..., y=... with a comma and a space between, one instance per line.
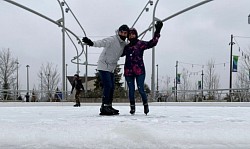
x=167, y=126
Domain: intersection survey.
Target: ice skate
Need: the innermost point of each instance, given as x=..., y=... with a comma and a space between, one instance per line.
x=106, y=110
x=146, y=109
x=77, y=105
x=132, y=109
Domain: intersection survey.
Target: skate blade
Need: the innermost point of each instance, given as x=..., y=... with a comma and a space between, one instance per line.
x=105, y=114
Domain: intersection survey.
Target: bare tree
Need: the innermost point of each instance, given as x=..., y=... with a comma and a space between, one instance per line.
x=211, y=79
x=7, y=69
x=242, y=80
x=165, y=83
x=185, y=83
x=49, y=78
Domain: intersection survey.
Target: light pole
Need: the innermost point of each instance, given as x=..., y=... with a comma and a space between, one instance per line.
x=176, y=80
x=48, y=87
x=249, y=19
x=66, y=81
x=157, y=85
x=48, y=81
x=17, y=78
x=41, y=85
x=202, y=80
x=231, y=69
x=27, y=78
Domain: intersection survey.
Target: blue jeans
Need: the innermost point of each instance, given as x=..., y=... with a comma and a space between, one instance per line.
x=108, y=82
x=140, y=84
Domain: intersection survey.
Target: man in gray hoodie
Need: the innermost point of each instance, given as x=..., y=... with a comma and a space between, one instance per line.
x=112, y=50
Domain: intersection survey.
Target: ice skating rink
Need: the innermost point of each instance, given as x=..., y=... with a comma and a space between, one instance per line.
x=59, y=125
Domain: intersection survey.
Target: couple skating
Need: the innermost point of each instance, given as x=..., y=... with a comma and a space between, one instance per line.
x=115, y=47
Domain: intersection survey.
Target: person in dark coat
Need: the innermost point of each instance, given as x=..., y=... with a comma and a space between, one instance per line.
x=134, y=68
x=77, y=85
x=27, y=96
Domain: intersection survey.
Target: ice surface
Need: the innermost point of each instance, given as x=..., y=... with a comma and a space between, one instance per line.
x=167, y=126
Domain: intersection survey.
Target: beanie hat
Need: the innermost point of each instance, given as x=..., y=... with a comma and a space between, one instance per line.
x=123, y=28
x=133, y=30
x=76, y=75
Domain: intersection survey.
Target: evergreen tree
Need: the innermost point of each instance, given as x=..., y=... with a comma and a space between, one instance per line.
x=118, y=77
x=98, y=83
x=119, y=90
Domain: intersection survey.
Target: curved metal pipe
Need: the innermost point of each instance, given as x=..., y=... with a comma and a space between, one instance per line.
x=45, y=17
x=178, y=13
x=75, y=18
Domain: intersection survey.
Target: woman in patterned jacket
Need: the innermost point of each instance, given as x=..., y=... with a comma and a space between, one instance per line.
x=134, y=68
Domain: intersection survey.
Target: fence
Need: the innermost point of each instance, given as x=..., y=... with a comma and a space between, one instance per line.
x=212, y=95
x=31, y=96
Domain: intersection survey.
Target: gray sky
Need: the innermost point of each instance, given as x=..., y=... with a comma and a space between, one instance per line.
x=194, y=37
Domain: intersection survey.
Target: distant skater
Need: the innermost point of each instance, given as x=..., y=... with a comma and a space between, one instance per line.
x=77, y=85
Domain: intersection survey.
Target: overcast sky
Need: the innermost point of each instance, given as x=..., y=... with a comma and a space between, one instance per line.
x=194, y=37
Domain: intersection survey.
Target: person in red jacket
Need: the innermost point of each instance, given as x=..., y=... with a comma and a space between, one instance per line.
x=134, y=68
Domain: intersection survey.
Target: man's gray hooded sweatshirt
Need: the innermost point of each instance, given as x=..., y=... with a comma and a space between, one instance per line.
x=113, y=49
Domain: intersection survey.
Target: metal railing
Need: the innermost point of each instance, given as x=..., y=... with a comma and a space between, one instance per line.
x=212, y=95
x=32, y=95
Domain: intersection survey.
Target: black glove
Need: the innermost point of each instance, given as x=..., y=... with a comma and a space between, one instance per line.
x=158, y=26
x=87, y=41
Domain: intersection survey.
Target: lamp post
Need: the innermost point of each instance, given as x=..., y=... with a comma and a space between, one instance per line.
x=66, y=81
x=27, y=66
x=41, y=85
x=17, y=78
x=249, y=19
x=231, y=69
x=176, y=80
x=48, y=86
x=157, y=85
x=48, y=81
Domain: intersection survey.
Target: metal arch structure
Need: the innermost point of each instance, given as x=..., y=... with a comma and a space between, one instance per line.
x=176, y=14
x=86, y=53
x=47, y=18
x=55, y=22
x=151, y=26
